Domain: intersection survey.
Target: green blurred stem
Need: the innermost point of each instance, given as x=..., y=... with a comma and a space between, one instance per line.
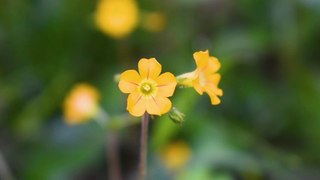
x=112, y=145
x=113, y=125
x=5, y=172
x=144, y=146
x=113, y=155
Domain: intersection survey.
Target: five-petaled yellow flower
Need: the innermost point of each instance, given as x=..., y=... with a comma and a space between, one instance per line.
x=148, y=90
x=205, y=78
x=117, y=18
x=81, y=104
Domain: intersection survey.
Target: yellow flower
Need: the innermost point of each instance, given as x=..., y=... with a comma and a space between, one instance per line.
x=81, y=104
x=148, y=90
x=205, y=78
x=176, y=155
x=117, y=18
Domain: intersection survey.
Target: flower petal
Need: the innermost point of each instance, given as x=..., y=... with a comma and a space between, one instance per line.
x=214, y=99
x=219, y=92
x=166, y=84
x=158, y=105
x=149, y=68
x=214, y=78
x=213, y=96
x=197, y=86
x=201, y=58
x=212, y=66
x=212, y=88
x=152, y=107
x=136, y=104
x=129, y=81
x=212, y=84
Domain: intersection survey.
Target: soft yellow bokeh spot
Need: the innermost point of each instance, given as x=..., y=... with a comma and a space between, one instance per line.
x=117, y=18
x=176, y=155
x=81, y=104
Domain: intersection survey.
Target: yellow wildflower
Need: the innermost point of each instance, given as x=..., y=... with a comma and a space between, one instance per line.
x=176, y=155
x=81, y=104
x=205, y=78
x=117, y=18
x=148, y=90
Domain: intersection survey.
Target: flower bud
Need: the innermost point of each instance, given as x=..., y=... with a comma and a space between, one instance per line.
x=176, y=116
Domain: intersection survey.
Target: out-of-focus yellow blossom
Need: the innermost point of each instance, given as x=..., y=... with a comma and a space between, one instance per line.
x=117, y=18
x=176, y=155
x=81, y=104
x=205, y=78
x=154, y=21
x=148, y=90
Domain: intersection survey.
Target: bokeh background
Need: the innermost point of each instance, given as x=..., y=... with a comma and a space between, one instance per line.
x=267, y=126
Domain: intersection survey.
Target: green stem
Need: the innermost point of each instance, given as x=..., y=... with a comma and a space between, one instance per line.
x=144, y=146
x=5, y=172
x=113, y=155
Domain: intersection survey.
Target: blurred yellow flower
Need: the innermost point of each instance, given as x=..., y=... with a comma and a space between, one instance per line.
x=117, y=18
x=176, y=155
x=81, y=104
x=154, y=21
x=205, y=78
x=148, y=90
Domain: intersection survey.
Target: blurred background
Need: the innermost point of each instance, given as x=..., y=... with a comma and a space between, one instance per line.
x=267, y=126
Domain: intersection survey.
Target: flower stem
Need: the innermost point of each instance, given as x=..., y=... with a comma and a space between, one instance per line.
x=113, y=155
x=144, y=146
x=5, y=172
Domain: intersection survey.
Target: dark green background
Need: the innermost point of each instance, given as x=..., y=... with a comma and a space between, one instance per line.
x=267, y=127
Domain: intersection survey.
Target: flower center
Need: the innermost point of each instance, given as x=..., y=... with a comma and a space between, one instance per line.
x=202, y=79
x=147, y=88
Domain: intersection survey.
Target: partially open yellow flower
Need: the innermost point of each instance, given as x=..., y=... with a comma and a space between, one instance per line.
x=81, y=104
x=117, y=18
x=176, y=155
x=205, y=78
x=148, y=90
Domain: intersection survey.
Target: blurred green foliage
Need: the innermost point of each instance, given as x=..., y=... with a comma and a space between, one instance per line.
x=267, y=127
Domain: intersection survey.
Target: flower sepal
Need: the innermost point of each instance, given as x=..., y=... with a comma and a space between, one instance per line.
x=186, y=79
x=176, y=116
